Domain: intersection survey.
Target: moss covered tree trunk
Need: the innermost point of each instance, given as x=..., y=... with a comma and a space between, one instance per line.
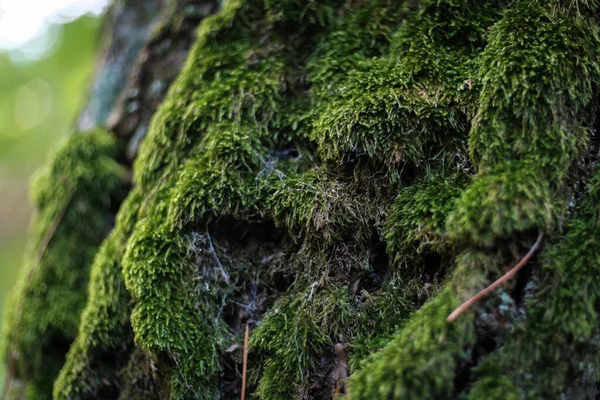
x=338, y=176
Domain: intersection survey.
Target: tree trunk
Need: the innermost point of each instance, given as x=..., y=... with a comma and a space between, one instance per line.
x=335, y=178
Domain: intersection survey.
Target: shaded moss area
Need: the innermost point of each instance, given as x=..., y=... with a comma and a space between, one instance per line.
x=340, y=176
x=75, y=197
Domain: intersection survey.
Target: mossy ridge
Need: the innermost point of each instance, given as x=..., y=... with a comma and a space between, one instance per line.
x=407, y=106
x=425, y=355
x=319, y=207
x=235, y=47
x=81, y=183
x=505, y=200
x=221, y=151
x=539, y=75
x=552, y=352
x=105, y=330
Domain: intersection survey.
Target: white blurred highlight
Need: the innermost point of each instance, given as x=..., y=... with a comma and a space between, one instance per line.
x=30, y=21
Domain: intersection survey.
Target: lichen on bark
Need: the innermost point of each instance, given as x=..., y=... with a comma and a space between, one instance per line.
x=342, y=175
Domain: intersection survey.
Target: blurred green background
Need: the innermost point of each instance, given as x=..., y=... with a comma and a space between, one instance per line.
x=43, y=84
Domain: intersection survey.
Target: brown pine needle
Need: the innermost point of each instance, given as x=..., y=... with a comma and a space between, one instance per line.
x=245, y=361
x=503, y=279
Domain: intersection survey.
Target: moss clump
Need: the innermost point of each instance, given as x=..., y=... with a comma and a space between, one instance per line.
x=553, y=351
x=83, y=182
x=424, y=356
x=506, y=201
x=417, y=221
x=289, y=338
x=405, y=106
x=429, y=343
x=539, y=75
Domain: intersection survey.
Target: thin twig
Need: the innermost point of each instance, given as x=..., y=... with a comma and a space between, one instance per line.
x=503, y=279
x=341, y=384
x=245, y=361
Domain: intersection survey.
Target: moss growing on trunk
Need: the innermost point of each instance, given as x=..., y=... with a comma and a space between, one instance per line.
x=339, y=176
x=75, y=197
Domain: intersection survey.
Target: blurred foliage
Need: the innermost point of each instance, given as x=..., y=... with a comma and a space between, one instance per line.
x=39, y=101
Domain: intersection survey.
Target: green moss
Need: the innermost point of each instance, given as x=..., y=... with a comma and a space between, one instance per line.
x=288, y=339
x=363, y=33
x=219, y=116
x=233, y=85
x=314, y=204
x=506, y=201
x=403, y=107
x=422, y=359
x=539, y=74
x=218, y=147
x=104, y=331
x=81, y=183
x=555, y=348
x=161, y=272
x=308, y=175
x=417, y=221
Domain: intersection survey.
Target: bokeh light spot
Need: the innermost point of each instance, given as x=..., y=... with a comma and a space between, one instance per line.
x=33, y=104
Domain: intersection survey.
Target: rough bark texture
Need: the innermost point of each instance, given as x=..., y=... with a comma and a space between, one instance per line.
x=339, y=175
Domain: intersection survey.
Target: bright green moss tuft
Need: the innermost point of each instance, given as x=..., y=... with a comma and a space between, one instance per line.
x=504, y=202
x=229, y=79
x=162, y=273
x=81, y=183
x=425, y=354
x=420, y=361
x=403, y=107
x=539, y=75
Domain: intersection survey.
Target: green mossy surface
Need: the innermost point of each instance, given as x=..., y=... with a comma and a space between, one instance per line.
x=104, y=339
x=508, y=200
x=74, y=198
x=343, y=175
